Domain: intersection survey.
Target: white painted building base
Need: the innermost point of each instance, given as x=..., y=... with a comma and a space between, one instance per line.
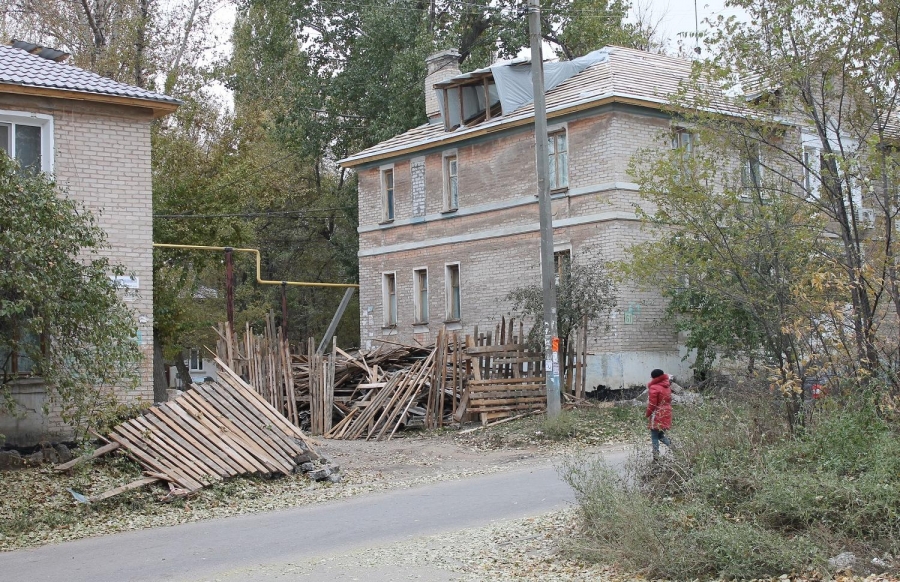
x=629, y=369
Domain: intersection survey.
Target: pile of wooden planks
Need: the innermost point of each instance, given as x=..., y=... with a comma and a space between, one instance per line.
x=213, y=431
x=264, y=361
x=489, y=376
x=506, y=375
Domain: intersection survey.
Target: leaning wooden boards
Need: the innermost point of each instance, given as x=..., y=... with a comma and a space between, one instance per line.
x=215, y=430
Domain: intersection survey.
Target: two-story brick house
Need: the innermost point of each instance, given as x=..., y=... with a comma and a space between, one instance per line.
x=449, y=216
x=93, y=135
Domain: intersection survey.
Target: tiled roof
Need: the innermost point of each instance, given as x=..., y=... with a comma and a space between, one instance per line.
x=628, y=74
x=18, y=67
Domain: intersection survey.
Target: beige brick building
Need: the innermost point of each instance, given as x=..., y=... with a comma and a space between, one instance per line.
x=93, y=135
x=448, y=214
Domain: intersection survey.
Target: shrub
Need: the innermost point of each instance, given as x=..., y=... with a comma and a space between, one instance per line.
x=560, y=427
x=741, y=497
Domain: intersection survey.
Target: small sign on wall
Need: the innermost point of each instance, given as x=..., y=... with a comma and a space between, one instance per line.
x=631, y=313
x=129, y=284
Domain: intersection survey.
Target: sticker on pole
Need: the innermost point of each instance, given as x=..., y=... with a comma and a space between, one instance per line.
x=555, y=344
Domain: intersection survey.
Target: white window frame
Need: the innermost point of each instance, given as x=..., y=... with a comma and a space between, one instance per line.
x=195, y=353
x=45, y=122
x=448, y=291
x=553, y=158
x=447, y=157
x=390, y=309
x=420, y=307
x=388, y=203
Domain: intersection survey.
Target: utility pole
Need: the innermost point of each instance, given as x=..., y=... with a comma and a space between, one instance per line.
x=551, y=341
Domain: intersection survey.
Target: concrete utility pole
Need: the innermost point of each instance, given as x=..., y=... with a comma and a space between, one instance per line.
x=551, y=342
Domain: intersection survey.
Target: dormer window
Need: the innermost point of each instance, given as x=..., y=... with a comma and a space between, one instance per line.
x=469, y=99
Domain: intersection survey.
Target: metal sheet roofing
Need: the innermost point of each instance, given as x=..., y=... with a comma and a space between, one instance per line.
x=18, y=67
x=628, y=74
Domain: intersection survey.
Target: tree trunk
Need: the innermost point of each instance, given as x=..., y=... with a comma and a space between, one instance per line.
x=183, y=373
x=160, y=384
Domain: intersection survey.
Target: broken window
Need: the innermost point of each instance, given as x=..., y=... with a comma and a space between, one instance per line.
x=387, y=195
x=451, y=183
x=420, y=293
x=558, y=150
x=454, y=298
x=562, y=260
x=389, y=289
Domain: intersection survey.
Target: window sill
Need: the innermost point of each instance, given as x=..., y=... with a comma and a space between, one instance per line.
x=389, y=330
x=453, y=324
x=559, y=191
x=450, y=211
x=383, y=222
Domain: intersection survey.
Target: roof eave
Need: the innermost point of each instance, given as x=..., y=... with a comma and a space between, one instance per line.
x=353, y=161
x=158, y=108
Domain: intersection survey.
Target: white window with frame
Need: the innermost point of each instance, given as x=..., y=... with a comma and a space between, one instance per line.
x=451, y=182
x=28, y=139
x=196, y=361
x=558, y=152
x=420, y=295
x=387, y=194
x=389, y=293
x=453, y=292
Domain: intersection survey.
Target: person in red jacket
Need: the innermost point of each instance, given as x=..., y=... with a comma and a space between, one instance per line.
x=659, y=409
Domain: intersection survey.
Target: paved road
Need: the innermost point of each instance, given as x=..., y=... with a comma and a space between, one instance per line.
x=204, y=550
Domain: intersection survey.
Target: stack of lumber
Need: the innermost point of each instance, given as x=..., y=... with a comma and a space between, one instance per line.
x=211, y=432
x=507, y=375
x=264, y=361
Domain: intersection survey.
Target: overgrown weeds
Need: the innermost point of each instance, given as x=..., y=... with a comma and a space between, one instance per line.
x=743, y=497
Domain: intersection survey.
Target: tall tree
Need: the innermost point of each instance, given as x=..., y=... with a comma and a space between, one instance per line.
x=815, y=84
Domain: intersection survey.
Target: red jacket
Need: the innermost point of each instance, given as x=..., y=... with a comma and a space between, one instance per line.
x=659, y=403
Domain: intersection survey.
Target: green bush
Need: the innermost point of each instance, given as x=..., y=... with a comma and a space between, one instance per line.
x=742, y=497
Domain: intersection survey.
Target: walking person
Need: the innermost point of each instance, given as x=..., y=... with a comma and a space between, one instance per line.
x=659, y=409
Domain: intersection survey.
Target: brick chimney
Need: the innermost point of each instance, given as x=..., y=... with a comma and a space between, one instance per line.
x=439, y=67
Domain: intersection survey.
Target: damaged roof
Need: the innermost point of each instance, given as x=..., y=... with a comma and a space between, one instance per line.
x=26, y=73
x=627, y=76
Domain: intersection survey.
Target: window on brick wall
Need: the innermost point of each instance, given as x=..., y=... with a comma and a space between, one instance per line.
x=420, y=295
x=387, y=195
x=14, y=361
x=454, y=295
x=683, y=143
x=451, y=183
x=389, y=292
x=558, y=150
x=28, y=139
x=561, y=262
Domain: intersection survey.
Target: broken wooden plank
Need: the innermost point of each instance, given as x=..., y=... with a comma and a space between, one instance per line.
x=99, y=452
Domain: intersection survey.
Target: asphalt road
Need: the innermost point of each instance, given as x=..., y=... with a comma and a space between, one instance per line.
x=205, y=550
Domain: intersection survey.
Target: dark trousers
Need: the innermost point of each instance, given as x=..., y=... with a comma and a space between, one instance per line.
x=656, y=436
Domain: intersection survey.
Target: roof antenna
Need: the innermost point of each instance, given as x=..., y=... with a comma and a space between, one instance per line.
x=696, y=30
